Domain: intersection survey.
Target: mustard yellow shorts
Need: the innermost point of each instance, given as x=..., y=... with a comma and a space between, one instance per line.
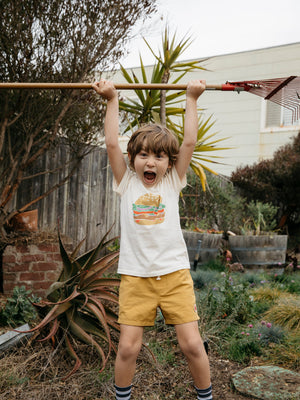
x=173, y=293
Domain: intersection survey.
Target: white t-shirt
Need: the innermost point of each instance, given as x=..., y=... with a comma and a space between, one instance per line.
x=152, y=243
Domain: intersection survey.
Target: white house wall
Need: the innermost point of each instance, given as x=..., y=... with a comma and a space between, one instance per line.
x=240, y=117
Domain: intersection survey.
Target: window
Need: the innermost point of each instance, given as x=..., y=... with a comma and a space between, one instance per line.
x=278, y=116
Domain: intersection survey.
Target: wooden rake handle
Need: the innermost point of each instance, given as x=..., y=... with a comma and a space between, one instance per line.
x=121, y=86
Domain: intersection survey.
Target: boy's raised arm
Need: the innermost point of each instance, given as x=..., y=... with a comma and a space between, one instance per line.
x=107, y=90
x=194, y=90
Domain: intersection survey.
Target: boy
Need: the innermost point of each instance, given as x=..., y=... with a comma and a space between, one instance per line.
x=154, y=264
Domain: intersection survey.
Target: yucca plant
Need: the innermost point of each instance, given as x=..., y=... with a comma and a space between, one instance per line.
x=154, y=105
x=206, y=143
x=159, y=106
x=81, y=304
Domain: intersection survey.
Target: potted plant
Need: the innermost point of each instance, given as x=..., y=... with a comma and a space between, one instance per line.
x=259, y=245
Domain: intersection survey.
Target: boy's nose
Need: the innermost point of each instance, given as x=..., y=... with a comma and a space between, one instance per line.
x=151, y=161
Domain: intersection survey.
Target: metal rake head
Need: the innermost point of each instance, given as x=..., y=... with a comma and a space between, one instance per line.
x=282, y=91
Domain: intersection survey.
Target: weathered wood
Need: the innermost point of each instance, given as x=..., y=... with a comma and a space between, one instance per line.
x=210, y=246
x=85, y=206
x=264, y=250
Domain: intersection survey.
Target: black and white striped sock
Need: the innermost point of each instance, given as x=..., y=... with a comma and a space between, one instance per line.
x=123, y=393
x=204, y=394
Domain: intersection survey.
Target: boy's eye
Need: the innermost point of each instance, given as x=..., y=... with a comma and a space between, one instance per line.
x=161, y=155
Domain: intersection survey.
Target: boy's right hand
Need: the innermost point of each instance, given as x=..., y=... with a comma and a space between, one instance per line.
x=106, y=89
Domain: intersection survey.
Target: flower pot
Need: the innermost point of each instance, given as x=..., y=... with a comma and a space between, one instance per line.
x=258, y=251
x=26, y=221
x=202, y=247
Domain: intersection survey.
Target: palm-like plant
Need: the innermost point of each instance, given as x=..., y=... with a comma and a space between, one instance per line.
x=205, y=144
x=154, y=105
x=160, y=106
x=81, y=303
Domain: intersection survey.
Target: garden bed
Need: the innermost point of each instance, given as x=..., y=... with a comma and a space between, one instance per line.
x=167, y=379
x=234, y=319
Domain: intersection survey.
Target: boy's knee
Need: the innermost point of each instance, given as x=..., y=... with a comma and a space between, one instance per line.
x=192, y=347
x=128, y=350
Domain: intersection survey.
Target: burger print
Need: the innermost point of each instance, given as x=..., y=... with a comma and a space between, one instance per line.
x=148, y=210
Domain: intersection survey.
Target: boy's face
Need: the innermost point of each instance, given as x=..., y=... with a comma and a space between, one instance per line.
x=151, y=167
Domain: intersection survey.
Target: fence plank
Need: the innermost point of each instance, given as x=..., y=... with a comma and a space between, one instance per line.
x=86, y=205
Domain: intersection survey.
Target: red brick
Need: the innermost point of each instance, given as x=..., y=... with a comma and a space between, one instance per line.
x=41, y=285
x=8, y=258
x=54, y=257
x=7, y=276
x=48, y=248
x=16, y=267
x=22, y=249
x=32, y=276
x=32, y=257
x=8, y=287
x=52, y=276
x=44, y=266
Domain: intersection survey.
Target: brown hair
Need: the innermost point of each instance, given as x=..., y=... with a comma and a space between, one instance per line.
x=155, y=138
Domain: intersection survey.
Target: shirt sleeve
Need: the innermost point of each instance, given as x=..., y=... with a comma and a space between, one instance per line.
x=120, y=189
x=174, y=180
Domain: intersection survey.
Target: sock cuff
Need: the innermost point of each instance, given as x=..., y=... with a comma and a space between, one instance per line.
x=204, y=394
x=123, y=393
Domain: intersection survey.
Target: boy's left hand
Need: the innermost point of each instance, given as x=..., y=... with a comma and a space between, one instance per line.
x=195, y=88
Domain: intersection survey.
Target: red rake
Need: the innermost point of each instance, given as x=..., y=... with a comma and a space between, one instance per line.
x=282, y=91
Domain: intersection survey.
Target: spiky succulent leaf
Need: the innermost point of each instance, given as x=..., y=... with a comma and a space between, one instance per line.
x=74, y=355
x=79, y=303
x=146, y=108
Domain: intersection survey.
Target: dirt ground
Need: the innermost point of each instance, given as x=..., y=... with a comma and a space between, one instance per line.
x=164, y=379
x=21, y=377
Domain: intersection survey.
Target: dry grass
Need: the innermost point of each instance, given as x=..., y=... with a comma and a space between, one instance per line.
x=34, y=372
x=269, y=294
x=287, y=354
x=286, y=313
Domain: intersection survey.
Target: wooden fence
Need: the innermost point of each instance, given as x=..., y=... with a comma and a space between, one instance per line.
x=85, y=205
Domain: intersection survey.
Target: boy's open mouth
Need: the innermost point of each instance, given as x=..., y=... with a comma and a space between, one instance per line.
x=149, y=177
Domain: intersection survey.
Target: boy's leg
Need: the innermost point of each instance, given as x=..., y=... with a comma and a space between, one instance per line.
x=130, y=343
x=191, y=344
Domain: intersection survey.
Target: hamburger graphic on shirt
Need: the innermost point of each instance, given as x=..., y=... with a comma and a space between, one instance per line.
x=148, y=210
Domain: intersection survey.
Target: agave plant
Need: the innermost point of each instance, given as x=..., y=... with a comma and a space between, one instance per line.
x=81, y=303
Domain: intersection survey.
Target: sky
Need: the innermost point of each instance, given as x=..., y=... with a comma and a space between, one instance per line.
x=217, y=27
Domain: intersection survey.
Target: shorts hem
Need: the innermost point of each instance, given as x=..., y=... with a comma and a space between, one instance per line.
x=182, y=321
x=136, y=323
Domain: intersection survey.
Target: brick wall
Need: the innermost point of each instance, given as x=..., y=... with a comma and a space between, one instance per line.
x=36, y=266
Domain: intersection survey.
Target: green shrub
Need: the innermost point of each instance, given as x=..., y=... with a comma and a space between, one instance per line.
x=270, y=334
x=19, y=309
x=203, y=278
x=228, y=300
x=261, y=216
x=242, y=349
x=219, y=207
x=215, y=265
